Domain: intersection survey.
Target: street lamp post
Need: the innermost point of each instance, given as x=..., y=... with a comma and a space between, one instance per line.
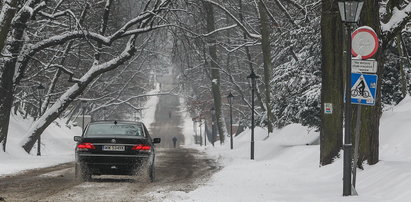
x=230, y=100
x=253, y=78
x=104, y=113
x=195, y=130
x=201, y=133
x=40, y=91
x=83, y=105
x=205, y=133
x=213, y=130
x=350, y=13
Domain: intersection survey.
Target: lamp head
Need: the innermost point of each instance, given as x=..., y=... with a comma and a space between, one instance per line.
x=40, y=89
x=230, y=96
x=350, y=10
x=253, y=75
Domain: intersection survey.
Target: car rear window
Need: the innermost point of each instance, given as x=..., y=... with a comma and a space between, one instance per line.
x=114, y=129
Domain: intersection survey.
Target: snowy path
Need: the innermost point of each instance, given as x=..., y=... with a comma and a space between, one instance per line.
x=177, y=170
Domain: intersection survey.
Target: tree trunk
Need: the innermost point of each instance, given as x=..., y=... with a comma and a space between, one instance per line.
x=103, y=28
x=332, y=82
x=403, y=78
x=8, y=11
x=369, y=135
x=9, y=69
x=215, y=72
x=265, y=45
x=249, y=61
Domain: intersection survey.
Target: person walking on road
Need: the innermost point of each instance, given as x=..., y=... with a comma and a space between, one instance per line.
x=174, y=141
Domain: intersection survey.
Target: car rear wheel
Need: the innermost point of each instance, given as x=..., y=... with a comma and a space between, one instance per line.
x=152, y=173
x=76, y=171
x=82, y=172
x=145, y=173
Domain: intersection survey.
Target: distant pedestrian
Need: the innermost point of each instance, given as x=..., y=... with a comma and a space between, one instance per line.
x=169, y=114
x=174, y=141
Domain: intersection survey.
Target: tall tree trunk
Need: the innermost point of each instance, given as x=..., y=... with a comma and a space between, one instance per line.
x=332, y=82
x=403, y=79
x=369, y=134
x=265, y=45
x=7, y=11
x=9, y=69
x=215, y=72
x=103, y=28
x=403, y=54
x=249, y=60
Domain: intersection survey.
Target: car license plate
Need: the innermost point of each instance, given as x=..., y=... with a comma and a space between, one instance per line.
x=113, y=148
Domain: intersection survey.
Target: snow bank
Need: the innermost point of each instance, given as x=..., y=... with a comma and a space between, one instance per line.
x=57, y=146
x=286, y=167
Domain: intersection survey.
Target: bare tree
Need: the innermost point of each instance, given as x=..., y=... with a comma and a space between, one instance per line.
x=23, y=52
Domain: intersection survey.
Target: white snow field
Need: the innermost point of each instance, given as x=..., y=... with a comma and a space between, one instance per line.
x=286, y=169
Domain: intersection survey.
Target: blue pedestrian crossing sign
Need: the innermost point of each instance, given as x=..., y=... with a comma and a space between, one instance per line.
x=363, y=88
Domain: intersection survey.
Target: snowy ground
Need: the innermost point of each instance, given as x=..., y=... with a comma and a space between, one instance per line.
x=57, y=147
x=285, y=167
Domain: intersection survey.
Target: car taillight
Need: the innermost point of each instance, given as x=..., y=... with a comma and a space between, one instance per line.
x=85, y=146
x=141, y=147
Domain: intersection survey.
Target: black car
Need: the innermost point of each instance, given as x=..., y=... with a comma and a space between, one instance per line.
x=115, y=148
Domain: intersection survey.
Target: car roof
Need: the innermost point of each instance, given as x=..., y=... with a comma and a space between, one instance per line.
x=116, y=122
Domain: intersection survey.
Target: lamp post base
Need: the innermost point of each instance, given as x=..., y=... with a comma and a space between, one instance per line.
x=347, y=170
x=252, y=150
x=38, y=147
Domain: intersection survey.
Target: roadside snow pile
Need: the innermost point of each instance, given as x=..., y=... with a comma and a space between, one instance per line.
x=286, y=167
x=395, y=139
x=57, y=146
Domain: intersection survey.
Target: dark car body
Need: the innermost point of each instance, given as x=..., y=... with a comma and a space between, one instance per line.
x=115, y=148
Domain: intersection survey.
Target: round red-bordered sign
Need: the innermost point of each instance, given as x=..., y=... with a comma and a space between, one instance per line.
x=364, y=42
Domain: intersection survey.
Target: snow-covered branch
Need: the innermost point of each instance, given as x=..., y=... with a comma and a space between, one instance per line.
x=220, y=29
x=31, y=50
x=237, y=21
x=128, y=100
x=396, y=23
x=65, y=99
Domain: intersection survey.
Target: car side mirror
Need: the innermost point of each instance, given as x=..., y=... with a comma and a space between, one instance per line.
x=156, y=140
x=77, y=138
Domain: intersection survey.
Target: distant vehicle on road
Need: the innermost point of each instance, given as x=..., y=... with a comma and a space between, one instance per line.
x=115, y=148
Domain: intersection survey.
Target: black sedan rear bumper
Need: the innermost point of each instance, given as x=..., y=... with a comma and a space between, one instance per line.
x=112, y=164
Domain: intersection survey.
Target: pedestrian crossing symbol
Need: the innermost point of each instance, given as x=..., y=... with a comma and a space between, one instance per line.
x=363, y=88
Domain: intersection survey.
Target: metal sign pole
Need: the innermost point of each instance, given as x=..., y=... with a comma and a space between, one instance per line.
x=357, y=144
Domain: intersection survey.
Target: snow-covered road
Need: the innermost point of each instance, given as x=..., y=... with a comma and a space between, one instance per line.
x=177, y=170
